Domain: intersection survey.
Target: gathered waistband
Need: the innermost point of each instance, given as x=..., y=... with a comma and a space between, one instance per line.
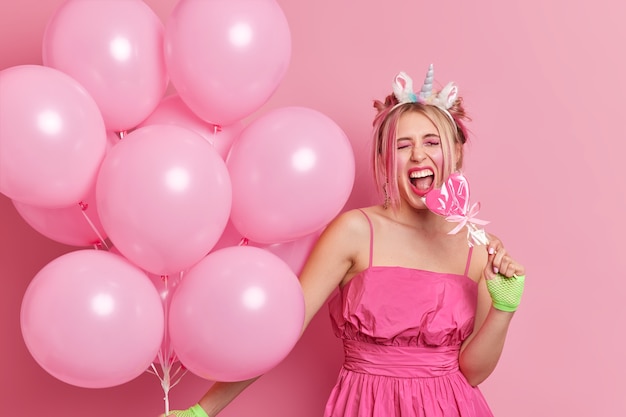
x=400, y=361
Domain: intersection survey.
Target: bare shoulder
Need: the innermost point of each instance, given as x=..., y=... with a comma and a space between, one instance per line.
x=350, y=224
x=346, y=237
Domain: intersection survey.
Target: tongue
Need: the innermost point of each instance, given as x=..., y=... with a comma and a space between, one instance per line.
x=423, y=184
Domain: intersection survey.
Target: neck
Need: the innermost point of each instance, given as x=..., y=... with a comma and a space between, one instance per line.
x=419, y=217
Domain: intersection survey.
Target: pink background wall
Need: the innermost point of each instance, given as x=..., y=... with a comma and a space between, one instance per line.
x=544, y=82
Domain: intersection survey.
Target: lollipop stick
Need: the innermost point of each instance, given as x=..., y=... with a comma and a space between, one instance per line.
x=476, y=235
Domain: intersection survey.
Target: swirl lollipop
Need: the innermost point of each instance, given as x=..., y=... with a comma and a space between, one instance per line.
x=452, y=201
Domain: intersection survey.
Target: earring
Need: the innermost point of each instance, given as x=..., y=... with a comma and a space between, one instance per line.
x=387, y=199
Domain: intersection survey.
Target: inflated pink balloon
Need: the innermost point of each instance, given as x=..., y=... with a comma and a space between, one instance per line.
x=52, y=137
x=76, y=225
x=91, y=319
x=295, y=253
x=292, y=171
x=236, y=314
x=115, y=50
x=226, y=58
x=164, y=197
x=172, y=110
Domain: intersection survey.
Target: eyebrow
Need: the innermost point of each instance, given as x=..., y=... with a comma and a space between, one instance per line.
x=426, y=136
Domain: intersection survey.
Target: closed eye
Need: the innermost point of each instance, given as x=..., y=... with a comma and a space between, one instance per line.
x=431, y=140
x=403, y=144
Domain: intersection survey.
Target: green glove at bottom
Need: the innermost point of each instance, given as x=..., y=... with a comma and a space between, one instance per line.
x=194, y=411
x=506, y=293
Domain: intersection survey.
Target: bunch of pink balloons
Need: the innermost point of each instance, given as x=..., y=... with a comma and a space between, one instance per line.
x=178, y=188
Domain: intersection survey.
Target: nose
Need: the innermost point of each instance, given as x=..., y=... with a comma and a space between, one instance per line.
x=418, y=154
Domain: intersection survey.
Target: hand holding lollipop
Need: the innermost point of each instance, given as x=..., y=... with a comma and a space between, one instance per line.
x=452, y=201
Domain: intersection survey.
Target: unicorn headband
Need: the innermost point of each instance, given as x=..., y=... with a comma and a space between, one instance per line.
x=403, y=91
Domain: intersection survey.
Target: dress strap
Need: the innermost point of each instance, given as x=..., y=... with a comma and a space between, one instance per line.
x=469, y=260
x=371, y=237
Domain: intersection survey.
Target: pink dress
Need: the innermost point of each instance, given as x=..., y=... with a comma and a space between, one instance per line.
x=402, y=330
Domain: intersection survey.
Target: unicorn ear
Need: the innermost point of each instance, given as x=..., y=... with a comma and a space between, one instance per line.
x=447, y=96
x=403, y=88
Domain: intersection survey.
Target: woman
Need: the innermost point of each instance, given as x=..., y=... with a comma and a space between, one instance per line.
x=420, y=325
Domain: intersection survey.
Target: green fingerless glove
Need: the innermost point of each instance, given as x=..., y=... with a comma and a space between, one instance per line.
x=506, y=293
x=195, y=411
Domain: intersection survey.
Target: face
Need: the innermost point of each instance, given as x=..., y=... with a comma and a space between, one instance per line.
x=419, y=157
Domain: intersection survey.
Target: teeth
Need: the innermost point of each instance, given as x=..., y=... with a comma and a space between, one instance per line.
x=421, y=174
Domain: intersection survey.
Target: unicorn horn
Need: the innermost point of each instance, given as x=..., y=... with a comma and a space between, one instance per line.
x=427, y=88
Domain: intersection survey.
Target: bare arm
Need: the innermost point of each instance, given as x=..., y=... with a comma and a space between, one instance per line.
x=329, y=262
x=481, y=351
x=221, y=394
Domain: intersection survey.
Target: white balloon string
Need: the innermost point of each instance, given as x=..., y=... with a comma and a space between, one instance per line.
x=83, y=208
x=167, y=357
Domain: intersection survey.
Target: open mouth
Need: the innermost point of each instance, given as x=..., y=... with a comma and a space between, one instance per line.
x=422, y=180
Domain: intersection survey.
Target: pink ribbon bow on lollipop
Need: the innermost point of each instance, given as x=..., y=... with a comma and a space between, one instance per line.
x=452, y=201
